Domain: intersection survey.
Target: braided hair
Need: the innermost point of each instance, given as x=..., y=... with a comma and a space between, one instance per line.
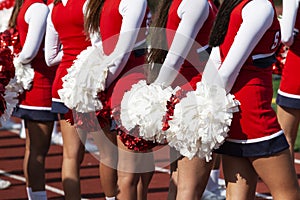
x=220, y=26
x=157, y=36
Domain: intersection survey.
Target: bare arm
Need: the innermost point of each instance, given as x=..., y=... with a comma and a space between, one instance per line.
x=35, y=16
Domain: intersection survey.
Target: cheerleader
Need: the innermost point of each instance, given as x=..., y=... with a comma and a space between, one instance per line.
x=185, y=22
x=29, y=18
x=288, y=96
x=65, y=39
x=7, y=72
x=73, y=41
x=123, y=42
x=255, y=142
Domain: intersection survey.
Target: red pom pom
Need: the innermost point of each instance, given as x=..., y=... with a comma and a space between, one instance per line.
x=175, y=99
x=280, y=54
x=135, y=143
x=7, y=70
x=2, y=105
x=7, y=4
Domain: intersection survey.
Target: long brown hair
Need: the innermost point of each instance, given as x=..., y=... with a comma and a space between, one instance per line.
x=56, y=2
x=157, y=36
x=92, y=16
x=13, y=18
x=220, y=26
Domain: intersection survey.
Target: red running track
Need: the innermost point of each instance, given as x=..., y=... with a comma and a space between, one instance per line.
x=11, y=158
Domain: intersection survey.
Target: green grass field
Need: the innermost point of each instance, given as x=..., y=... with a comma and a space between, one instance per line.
x=276, y=81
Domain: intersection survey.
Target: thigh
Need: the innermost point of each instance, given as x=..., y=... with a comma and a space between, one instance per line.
x=192, y=176
x=289, y=121
x=279, y=174
x=240, y=177
x=73, y=142
x=134, y=161
x=39, y=134
x=106, y=142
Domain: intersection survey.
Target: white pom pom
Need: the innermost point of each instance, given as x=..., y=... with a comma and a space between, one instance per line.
x=201, y=121
x=24, y=74
x=85, y=79
x=144, y=107
x=12, y=91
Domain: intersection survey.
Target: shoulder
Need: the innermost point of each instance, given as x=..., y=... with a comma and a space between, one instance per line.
x=132, y=5
x=192, y=7
x=259, y=7
x=39, y=7
x=37, y=10
x=258, y=11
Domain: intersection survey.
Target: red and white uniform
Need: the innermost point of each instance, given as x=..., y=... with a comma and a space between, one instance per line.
x=123, y=34
x=247, y=74
x=185, y=24
x=289, y=89
x=122, y=30
x=34, y=104
x=65, y=27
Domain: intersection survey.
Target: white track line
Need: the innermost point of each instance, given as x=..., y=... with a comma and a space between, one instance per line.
x=16, y=131
x=158, y=169
x=264, y=196
x=161, y=169
x=221, y=181
x=22, y=179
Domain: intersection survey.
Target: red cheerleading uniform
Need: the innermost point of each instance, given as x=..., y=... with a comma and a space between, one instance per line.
x=110, y=29
x=191, y=72
x=68, y=21
x=110, y=26
x=289, y=89
x=35, y=104
x=254, y=130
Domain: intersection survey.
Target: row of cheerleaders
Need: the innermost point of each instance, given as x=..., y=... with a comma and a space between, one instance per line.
x=193, y=122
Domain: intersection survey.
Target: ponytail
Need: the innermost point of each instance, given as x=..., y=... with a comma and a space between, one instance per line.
x=221, y=23
x=157, y=55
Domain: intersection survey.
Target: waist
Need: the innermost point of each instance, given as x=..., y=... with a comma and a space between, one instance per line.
x=140, y=48
x=262, y=60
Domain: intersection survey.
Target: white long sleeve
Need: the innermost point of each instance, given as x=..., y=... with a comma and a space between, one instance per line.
x=133, y=12
x=35, y=16
x=193, y=14
x=249, y=34
x=53, y=46
x=53, y=50
x=287, y=23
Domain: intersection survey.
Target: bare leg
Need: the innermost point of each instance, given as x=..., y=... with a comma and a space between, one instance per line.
x=289, y=120
x=26, y=156
x=174, y=155
x=143, y=184
x=107, y=145
x=279, y=174
x=133, y=167
x=127, y=179
x=37, y=145
x=73, y=153
x=173, y=183
x=192, y=177
x=240, y=177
